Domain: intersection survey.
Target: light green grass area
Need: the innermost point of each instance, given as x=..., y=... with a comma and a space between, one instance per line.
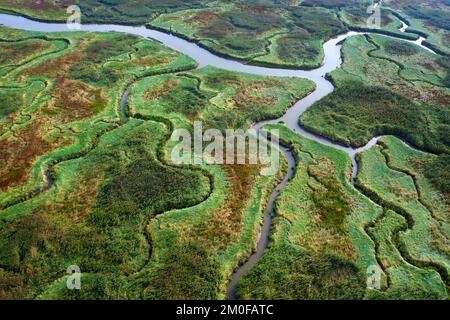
x=405, y=281
x=422, y=236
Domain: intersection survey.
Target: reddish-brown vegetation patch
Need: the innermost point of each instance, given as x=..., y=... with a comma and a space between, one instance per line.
x=40, y=5
x=61, y=64
x=153, y=61
x=18, y=154
x=53, y=67
x=77, y=99
x=16, y=52
x=256, y=9
x=160, y=90
x=428, y=64
x=251, y=94
x=224, y=226
x=204, y=18
x=446, y=39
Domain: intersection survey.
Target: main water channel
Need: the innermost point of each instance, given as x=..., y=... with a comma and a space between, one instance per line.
x=332, y=61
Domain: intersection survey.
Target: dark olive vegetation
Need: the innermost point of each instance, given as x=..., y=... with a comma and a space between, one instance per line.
x=354, y=14
x=319, y=23
x=400, y=48
x=296, y=45
x=187, y=100
x=10, y=101
x=438, y=171
x=331, y=3
x=261, y=22
x=124, y=11
x=331, y=202
x=357, y=113
x=131, y=189
x=186, y=271
x=444, y=62
x=97, y=53
x=288, y=272
x=17, y=51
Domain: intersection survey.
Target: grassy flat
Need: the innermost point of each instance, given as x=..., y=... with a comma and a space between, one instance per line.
x=398, y=183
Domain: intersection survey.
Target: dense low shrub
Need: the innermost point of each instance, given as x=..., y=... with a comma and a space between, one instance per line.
x=438, y=171
x=400, y=48
x=433, y=16
x=376, y=111
x=187, y=271
x=286, y=272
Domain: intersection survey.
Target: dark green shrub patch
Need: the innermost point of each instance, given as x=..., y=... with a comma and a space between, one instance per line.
x=438, y=171
x=186, y=271
x=400, y=48
x=318, y=22
x=355, y=113
x=90, y=67
x=286, y=272
x=433, y=16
